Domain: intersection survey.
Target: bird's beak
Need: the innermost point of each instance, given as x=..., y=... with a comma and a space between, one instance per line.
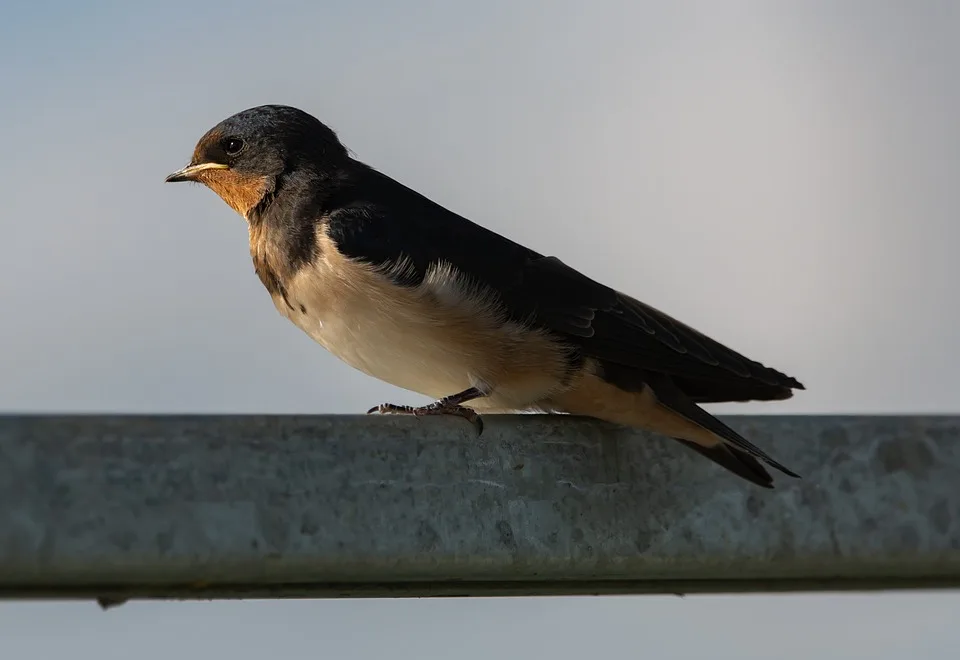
x=190, y=172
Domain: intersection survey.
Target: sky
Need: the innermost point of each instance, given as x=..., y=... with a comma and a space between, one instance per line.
x=781, y=175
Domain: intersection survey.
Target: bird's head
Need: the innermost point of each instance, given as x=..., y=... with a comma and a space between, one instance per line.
x=243, y=158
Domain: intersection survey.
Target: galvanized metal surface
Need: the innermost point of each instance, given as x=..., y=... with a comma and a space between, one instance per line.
x=239, y=506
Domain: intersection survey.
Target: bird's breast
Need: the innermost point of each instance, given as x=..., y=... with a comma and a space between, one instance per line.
x=436, y=339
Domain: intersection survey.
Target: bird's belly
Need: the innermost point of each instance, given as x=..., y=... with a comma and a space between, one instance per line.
x=415, y=358
x=394, y=346
x=437, y=339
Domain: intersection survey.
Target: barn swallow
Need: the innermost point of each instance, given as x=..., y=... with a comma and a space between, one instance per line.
x=403, y=289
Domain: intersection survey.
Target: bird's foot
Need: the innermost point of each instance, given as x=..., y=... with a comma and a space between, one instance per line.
x=441, y=407
x=391, y=409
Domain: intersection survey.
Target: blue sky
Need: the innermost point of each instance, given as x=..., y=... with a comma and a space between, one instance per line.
x=779, y=175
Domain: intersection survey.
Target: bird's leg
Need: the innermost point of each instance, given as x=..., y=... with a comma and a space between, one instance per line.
x=448, y=405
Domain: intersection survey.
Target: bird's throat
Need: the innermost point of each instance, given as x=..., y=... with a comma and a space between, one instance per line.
x=242, y=192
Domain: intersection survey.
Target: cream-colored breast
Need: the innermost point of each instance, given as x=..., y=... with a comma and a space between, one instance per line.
x=437, y=339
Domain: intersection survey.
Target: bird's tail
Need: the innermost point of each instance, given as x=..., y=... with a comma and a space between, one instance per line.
x=737, y=461
x=662, y=408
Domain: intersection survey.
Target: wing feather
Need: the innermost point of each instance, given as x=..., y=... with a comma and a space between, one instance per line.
x=601, y=322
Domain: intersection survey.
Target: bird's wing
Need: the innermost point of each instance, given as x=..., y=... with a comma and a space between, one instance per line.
x=386, y=223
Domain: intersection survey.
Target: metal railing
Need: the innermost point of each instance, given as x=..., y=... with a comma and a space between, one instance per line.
x=121, y=507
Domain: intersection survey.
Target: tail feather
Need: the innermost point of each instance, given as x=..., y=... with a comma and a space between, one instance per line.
x=658, y=405
x=739, y=462
x=670, y=396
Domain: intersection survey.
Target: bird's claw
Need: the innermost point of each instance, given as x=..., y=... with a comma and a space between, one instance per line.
x=435, y=408
x=391, y=409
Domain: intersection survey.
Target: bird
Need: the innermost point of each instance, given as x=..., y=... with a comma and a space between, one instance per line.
x=415, y=295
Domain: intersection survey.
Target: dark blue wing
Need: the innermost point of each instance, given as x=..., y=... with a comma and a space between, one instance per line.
x=381, y=221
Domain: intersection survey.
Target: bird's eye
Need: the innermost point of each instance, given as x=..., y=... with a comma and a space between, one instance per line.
x=233, y=146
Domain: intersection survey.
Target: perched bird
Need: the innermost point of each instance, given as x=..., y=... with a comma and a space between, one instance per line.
x=411, y=293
